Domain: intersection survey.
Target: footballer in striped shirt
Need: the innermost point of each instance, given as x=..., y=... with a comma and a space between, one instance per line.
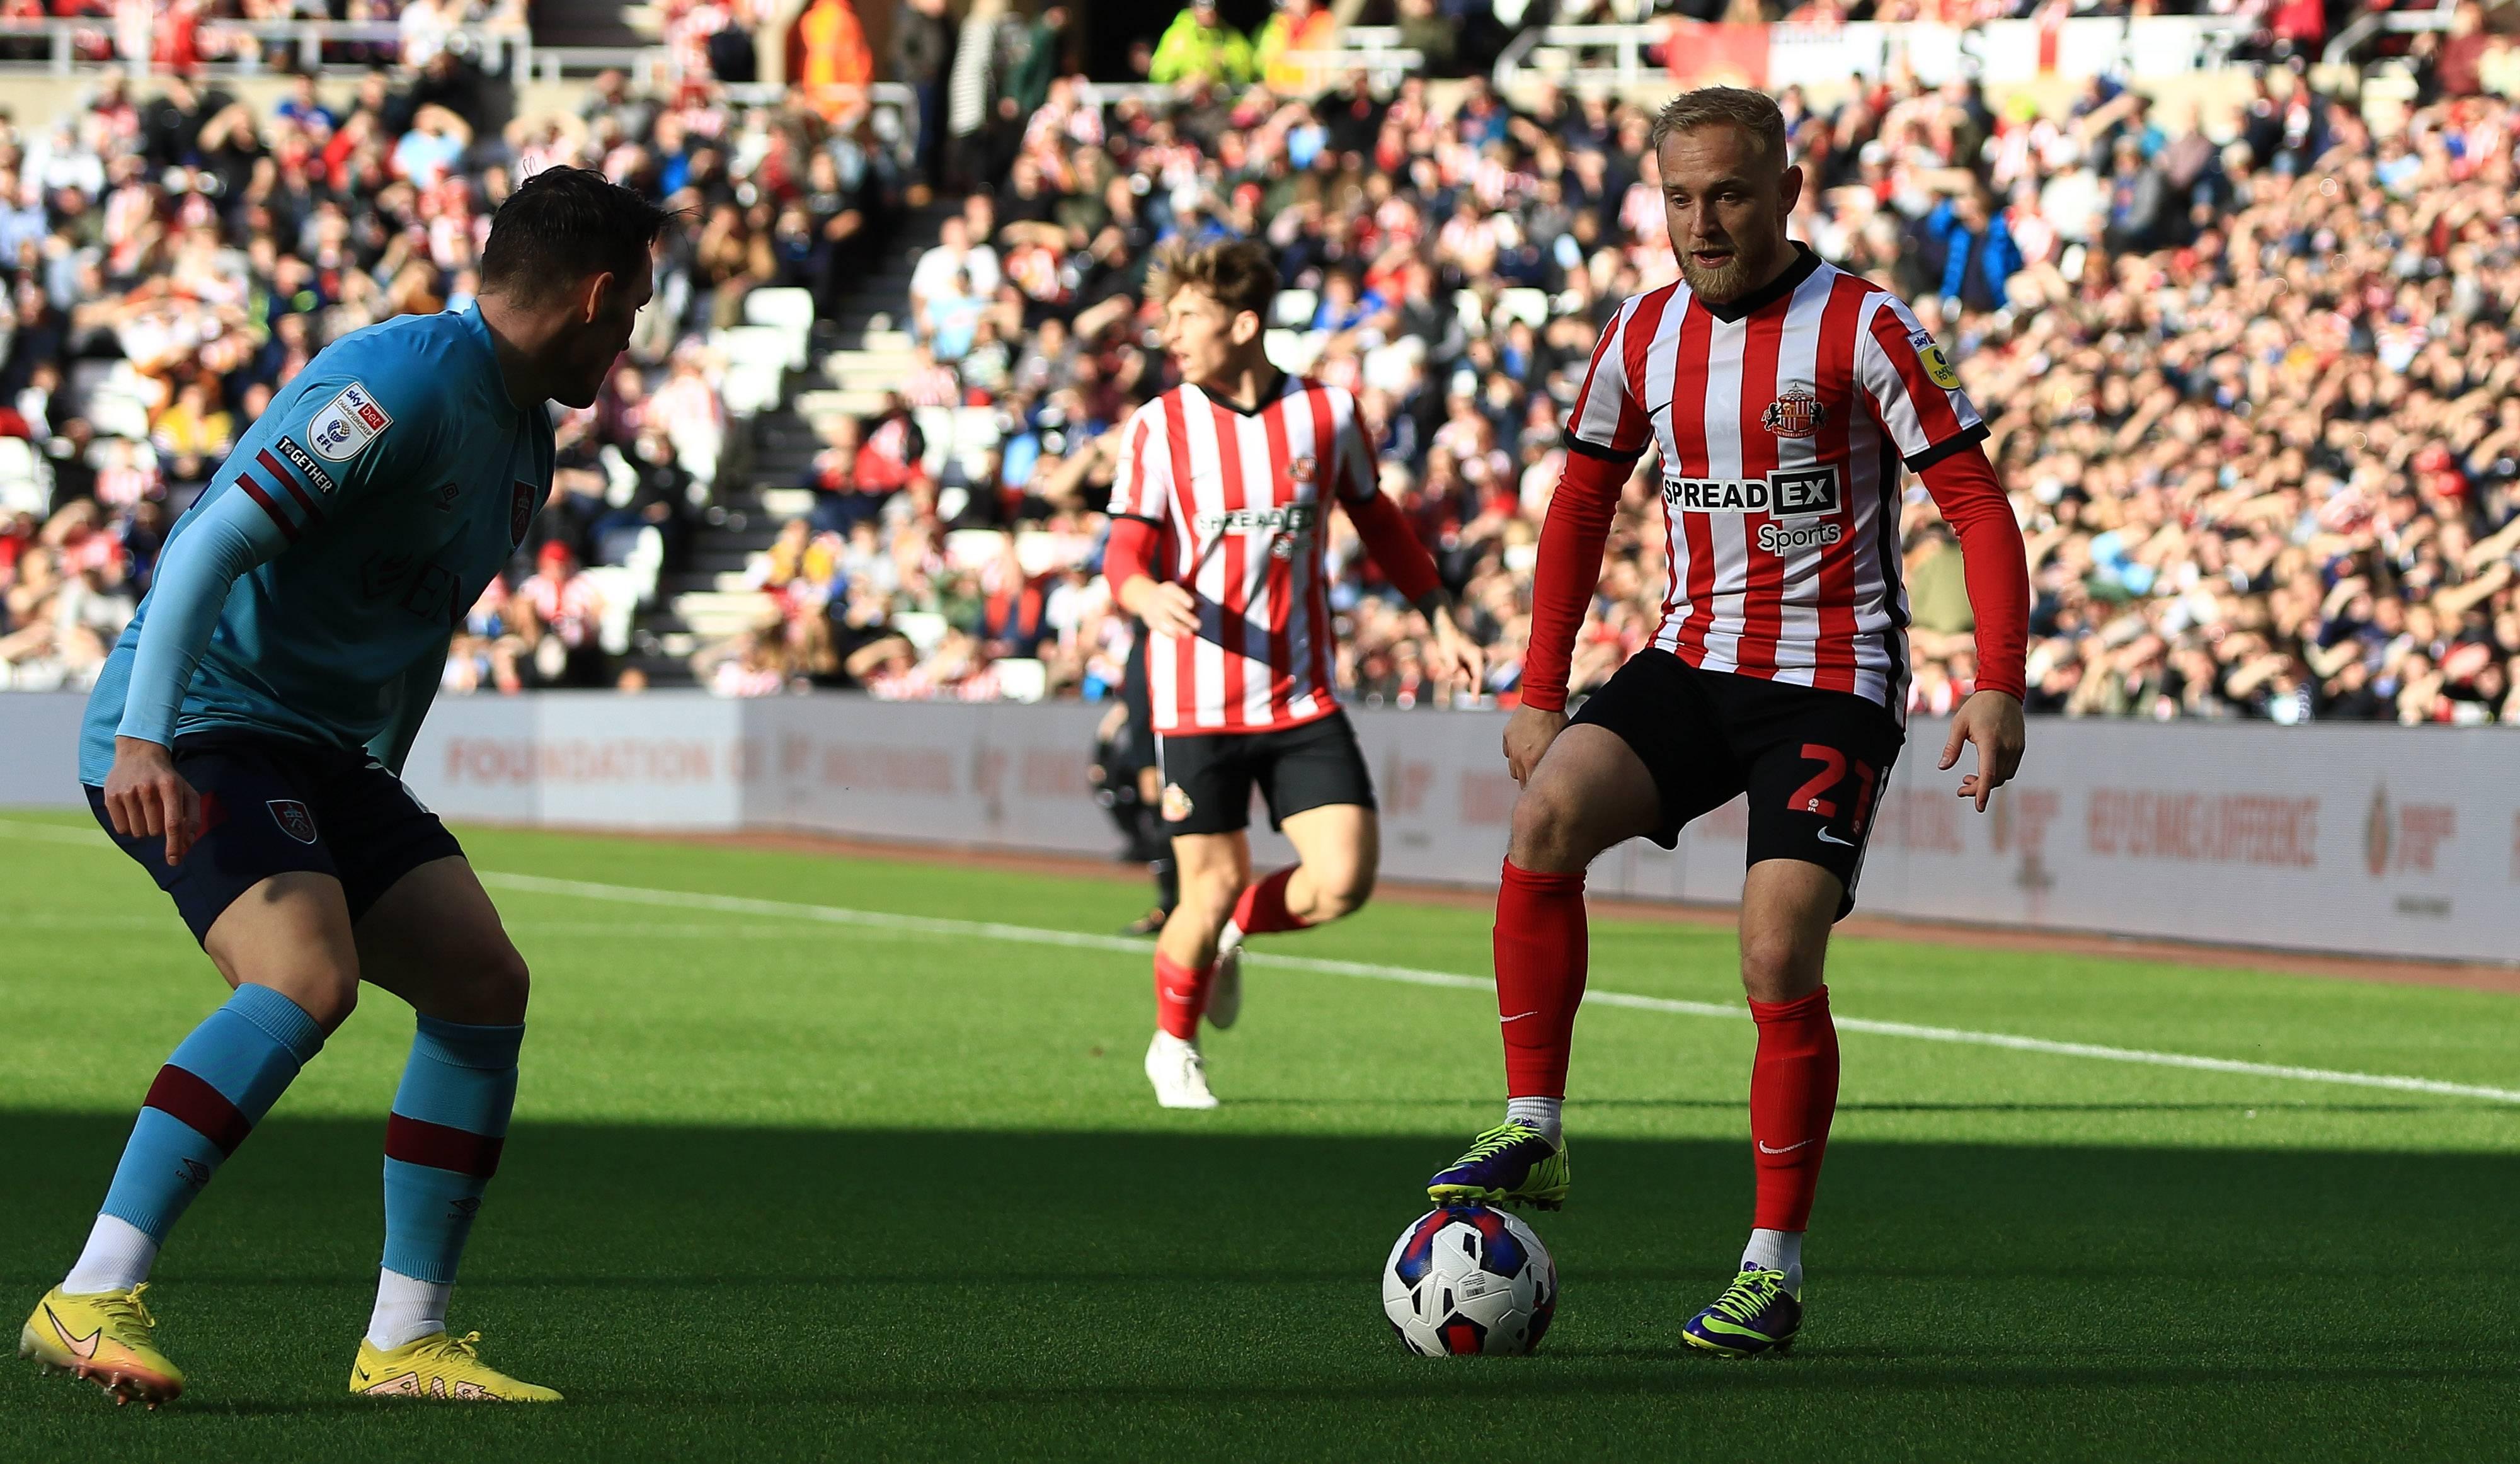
x=1218, y=518
x=1787, y=402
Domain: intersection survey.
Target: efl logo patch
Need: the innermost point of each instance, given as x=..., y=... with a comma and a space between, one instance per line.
x=520, y=512
x=1795, y=412
x=1938, y=367
x=306, y=465
x=1176, y=805
x=347, y=422
x=295, y=818
x=1786, y=493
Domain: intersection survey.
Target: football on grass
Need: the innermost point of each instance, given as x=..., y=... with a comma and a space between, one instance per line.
x=1467, y=1279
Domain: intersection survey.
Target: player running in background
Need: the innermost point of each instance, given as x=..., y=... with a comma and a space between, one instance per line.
x=244, y=740
x=1216, y=545
x=1784, y=396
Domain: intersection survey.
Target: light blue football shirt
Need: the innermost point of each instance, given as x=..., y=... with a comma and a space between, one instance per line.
x=313, y=589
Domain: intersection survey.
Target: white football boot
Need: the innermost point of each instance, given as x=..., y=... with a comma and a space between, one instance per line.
x=1225, y=985
x=1178, y=1072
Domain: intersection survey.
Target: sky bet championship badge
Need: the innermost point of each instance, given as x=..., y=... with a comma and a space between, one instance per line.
x=1938, y=367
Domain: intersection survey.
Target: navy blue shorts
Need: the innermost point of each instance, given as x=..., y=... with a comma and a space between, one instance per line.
x=276, y=806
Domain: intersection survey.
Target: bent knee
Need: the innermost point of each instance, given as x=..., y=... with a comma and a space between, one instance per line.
x=1550, y=835
x=493, y=988
x=1340, y=892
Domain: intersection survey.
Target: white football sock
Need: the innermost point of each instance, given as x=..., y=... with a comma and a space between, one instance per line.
x=117, y=1258
x=1542, y=1114
x=1777, y=1249
x=1170, y=1043
x=1229, y=938
x=407, y=1309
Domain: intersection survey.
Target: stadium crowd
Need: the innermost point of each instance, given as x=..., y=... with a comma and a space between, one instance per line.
x=2249, y=377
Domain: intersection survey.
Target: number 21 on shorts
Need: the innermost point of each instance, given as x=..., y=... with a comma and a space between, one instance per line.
x=1813, y=796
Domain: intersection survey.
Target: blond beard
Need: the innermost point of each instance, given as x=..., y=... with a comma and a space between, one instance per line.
x=1729, y=283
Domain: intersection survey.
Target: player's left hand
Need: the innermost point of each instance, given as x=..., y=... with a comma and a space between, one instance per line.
x=1993, y=721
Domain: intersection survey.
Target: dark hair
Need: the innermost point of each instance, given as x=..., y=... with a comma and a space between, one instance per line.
x=1239, y=275
x=562, y=225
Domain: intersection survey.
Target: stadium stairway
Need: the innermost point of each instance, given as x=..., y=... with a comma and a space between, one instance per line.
x=848, y=362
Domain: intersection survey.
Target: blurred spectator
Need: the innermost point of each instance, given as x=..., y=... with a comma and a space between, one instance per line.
x=1199, y=48
x=560, y=614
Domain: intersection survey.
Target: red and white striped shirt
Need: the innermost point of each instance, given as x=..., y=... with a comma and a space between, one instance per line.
x=1238, y=498
x=1783, y=422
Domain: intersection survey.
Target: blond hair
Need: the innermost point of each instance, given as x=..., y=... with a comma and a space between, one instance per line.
x=1754, y=113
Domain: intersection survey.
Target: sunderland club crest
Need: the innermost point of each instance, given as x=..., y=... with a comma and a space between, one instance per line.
x=1795, y=412
x=295, y=818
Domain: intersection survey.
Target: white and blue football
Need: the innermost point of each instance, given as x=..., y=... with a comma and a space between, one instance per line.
x=1467, y=1279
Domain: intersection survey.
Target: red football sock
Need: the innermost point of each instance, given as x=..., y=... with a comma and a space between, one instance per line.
x=1181, y=996
x=1539, y=954
x=1263, y=907
x=1794, y=1095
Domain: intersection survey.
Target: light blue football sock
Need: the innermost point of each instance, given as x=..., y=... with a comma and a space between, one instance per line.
x=450, y=1119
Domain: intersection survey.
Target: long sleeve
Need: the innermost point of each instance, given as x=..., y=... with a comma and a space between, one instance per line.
x=1385, y=533
x=231, y=538
x=1568, y=571
x=1995, y=568
x=1128, y=552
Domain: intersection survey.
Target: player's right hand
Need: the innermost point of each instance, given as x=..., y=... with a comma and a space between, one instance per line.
x=1164, y=605
x=1527, y=735
x=146, y=797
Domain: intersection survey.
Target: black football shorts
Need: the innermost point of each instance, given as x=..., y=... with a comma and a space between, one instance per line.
x=1814, y=763
x=1208, y=778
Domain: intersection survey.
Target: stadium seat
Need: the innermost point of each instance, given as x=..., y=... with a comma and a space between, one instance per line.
x=1525, y=304
x=1021, y=679
x=1294, y=309
x=923, y=629
x=26, y=478
x=788, y=310
x=787, y=503
x=1293, y=352
x=936, y=426
x=974, y=549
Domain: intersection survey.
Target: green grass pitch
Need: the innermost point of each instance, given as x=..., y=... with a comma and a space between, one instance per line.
x=787, y=1189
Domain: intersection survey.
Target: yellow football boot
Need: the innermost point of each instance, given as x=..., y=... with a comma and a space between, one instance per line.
x=440, y=1366
x=103, y=1338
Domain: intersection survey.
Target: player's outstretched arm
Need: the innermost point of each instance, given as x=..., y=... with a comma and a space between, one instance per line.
x=1389, y=541
x=1971, y=500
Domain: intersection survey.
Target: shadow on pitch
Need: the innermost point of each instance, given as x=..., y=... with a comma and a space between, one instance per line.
x=950, y=1266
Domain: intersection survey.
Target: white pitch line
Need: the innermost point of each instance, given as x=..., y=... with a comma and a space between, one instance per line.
x=1078, y=939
